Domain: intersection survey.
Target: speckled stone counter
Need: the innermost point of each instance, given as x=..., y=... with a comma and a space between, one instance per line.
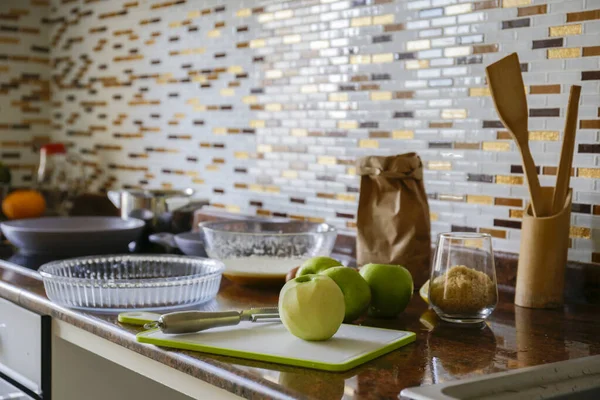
x=513, y=338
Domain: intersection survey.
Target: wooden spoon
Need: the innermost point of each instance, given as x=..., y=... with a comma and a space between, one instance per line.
x=508, y=91
x=563, y=175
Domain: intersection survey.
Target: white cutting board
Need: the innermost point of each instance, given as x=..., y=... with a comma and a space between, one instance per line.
x=352, y=345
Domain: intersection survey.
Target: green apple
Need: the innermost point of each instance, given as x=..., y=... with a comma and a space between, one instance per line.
x=312, y=307
x=317, y=264
x=391, y=288
x=357, y=294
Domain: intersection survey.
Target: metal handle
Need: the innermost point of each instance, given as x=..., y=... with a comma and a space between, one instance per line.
x=194, y=321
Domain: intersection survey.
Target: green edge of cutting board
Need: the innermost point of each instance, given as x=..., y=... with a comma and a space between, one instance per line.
x=411, y=337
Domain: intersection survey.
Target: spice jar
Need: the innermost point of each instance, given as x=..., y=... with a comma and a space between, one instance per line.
x=463, y=286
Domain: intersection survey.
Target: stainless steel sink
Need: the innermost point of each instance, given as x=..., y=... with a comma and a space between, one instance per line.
x=573, y=379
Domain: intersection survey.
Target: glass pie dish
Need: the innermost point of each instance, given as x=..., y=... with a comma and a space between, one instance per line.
x=127, y=282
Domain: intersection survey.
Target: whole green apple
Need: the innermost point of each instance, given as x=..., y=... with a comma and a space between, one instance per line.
x=391, y=288
x=357, y=294
x=312, y=307
x=317, y=264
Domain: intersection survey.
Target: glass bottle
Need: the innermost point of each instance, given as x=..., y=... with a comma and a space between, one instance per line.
x=60, y=178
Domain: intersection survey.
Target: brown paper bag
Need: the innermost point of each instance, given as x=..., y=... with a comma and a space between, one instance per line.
x=393, y=214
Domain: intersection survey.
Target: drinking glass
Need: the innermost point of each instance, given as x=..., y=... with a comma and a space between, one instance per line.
x=463, y=287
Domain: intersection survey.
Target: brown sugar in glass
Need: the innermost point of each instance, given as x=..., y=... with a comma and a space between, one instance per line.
x=463, y=287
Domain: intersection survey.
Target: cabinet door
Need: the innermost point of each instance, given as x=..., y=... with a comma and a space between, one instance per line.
x=24, y=347
x=8, y=391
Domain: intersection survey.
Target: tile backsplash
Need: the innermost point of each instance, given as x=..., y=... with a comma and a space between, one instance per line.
x=263, y=106
x=24, y=85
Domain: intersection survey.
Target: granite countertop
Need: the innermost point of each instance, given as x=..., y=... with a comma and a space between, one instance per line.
x=513, y=338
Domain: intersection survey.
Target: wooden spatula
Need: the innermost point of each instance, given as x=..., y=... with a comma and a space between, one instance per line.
x=508, y=91
x=563, y=175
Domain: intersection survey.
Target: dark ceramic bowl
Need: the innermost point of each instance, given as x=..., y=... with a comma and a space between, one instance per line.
x=72, y=236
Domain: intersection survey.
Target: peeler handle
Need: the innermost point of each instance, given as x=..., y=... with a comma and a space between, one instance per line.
x=194, y=321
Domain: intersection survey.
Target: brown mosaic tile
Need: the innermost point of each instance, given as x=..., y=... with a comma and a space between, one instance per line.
x=591, y=51
x=583, y=15
x=544, y=112
x=516, y=23
x=486, y=5
x=589, y=124
x=545, y=43
x=500, y=201
x=393, y=27
x=485, y=48
x=544, y=89
x=589, y=148
x=532, y=10
x=507, y=223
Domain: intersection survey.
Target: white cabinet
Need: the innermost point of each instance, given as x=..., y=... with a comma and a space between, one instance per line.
x=24, y=348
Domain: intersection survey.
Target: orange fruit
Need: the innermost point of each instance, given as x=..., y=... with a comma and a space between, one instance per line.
x=24, y=204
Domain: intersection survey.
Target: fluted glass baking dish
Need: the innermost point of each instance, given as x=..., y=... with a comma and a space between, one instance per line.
x=128, y=282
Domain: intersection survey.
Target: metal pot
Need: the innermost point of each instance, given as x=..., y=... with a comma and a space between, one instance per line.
x=152, y=206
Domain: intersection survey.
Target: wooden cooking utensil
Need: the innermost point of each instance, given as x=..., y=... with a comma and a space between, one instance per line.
x=508, y=91
x=563, y=175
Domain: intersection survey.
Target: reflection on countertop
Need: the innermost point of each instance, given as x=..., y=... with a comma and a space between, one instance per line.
x=511, y=338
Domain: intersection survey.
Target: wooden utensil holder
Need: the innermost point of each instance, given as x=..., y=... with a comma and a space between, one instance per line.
x=543, y=256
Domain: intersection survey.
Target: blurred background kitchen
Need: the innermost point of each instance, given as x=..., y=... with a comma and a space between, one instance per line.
x=262, y=107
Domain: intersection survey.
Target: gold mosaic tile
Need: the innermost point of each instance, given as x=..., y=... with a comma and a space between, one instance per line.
x=299, y=132
x=376, y=96
x=326, y=160
x=382, y=58
x=383, y=19
x=368, y=144
x=416, y=64
x=361, y=21
x=347, y=124
x=509, y=180
x=580, y=232
x=257, y=43
x=439, y=165
x=346, y=197
x=564, y=53
x=516, y=214
x=565, y=30
x=497, y=233
x=544, y=135
x=480, y=199
x=495, y=146
x=257, y=123
x=243, y=13
x=515, y=3
x=480, y=91
x=362, y=59
x=454, y=113
x=458, y=9
x=338, y=97
x=289, y=174
x=588, y=172
x=404, y=135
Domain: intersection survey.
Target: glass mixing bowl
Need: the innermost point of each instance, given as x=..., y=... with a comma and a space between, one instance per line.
x=262, y=253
